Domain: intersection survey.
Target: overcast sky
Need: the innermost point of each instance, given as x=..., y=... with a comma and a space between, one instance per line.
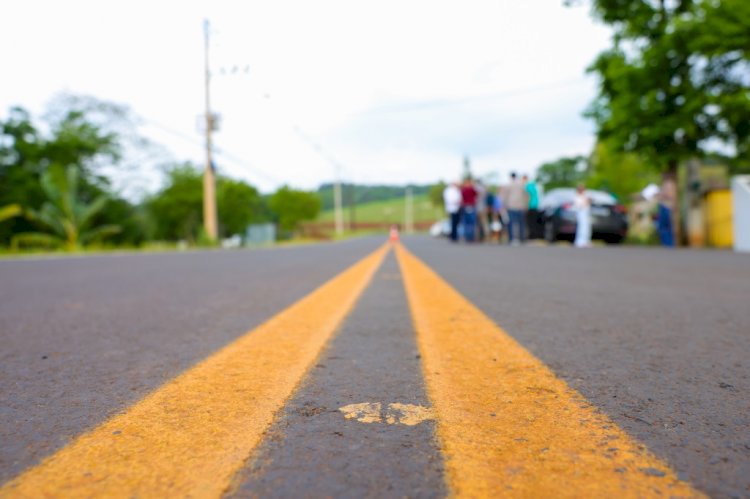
x=392, y=91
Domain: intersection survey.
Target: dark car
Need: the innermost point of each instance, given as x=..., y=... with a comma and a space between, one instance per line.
x=609, y=220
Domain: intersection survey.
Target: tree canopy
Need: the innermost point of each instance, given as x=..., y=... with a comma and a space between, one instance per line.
x=177, y=209
x=563, y=172
x=291, y=206
x=676, y=82
x=78, y=132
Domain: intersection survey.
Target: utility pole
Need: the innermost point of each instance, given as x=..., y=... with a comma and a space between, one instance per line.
x=409, y=211
x=337, y=211
x=209, y=176
x=338, y=214
x=352, y=206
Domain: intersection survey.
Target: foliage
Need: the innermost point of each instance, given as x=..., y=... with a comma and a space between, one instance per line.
x=436, y=194
x=9, y=211
x=291, y=206
x=67, y=220
x=675, y=83
x=177, y=210
x=564, y=172
x=82, y=132
x=620, y=174
x=239, y=205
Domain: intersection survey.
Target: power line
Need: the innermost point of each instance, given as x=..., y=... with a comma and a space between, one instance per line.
x=219, y=151
x=443, y=103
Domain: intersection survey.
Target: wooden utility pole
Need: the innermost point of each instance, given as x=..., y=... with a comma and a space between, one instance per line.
x=338, y=213
x=409, y=211
x=209, y=176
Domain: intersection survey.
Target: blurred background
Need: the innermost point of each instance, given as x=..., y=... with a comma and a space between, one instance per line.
x=178, y=124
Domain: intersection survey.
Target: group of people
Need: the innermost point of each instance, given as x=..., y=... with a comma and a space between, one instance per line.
x=483, y=213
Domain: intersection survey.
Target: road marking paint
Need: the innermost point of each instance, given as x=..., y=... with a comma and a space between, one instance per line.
x=408, y=414
x=189, y=437
x=396, y=413
x=365, y=412
x=507, y=425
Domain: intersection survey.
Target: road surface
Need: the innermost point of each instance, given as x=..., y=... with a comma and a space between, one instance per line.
x=423, y=371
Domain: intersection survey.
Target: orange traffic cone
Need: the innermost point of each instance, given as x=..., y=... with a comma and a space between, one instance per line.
x=393, y=236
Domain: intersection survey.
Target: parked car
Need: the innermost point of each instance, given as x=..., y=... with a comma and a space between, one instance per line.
x=609, y=220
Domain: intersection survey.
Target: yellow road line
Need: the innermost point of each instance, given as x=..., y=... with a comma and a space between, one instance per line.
x=189, y=437
x=506, y=424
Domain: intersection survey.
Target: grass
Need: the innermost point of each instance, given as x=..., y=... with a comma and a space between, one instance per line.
x=391, y=211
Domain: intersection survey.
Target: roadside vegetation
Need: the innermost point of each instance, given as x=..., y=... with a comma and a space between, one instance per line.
x=57, y=193
x=673, y=92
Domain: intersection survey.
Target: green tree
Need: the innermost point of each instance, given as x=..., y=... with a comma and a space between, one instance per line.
x=564, y=172
x=177, y=209
x=291, y=206
x=66, y=220
x=621, y=174
x=436, y=194
x=239, y=205
x=82, y=132
x=675, y=81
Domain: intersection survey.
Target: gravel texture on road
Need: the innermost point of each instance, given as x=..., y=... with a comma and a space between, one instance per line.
x=84, y=338
x=657, y=339
x=313, y=451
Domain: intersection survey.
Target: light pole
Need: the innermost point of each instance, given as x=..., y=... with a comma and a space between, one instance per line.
x=209, y=176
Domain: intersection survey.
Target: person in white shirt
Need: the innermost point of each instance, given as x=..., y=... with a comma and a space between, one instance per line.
x=582, y=206
x=452, y=202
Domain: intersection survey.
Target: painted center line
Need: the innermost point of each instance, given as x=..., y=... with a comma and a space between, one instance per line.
x=189, y=437
x=507, y=425
x=396, y=413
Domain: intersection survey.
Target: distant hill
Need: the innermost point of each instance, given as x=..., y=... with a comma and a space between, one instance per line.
x=362, y=194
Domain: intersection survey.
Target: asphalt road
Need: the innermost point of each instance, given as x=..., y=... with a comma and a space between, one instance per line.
x=83, y=338
x=658, y=340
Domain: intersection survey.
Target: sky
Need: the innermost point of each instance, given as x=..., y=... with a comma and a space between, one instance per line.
x=393, y=91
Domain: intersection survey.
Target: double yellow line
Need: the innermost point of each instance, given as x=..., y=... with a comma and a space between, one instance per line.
x=506, y=424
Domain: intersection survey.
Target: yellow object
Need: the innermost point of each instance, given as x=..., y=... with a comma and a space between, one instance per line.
x=506, y=424
x=189, y=437
x=719, y=218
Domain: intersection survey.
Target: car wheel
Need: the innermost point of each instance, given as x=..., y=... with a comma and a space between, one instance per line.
x=549, y=231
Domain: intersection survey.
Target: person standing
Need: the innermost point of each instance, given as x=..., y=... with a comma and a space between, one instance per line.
x=532, y=214
x=469, y=208
x=452, y=202
x=502, y=215
x=516, y=202
x=582, y=206
x=667, y=200
x=481, y=209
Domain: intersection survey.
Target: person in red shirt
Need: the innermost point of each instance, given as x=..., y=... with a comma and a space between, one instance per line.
x=469, y=208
